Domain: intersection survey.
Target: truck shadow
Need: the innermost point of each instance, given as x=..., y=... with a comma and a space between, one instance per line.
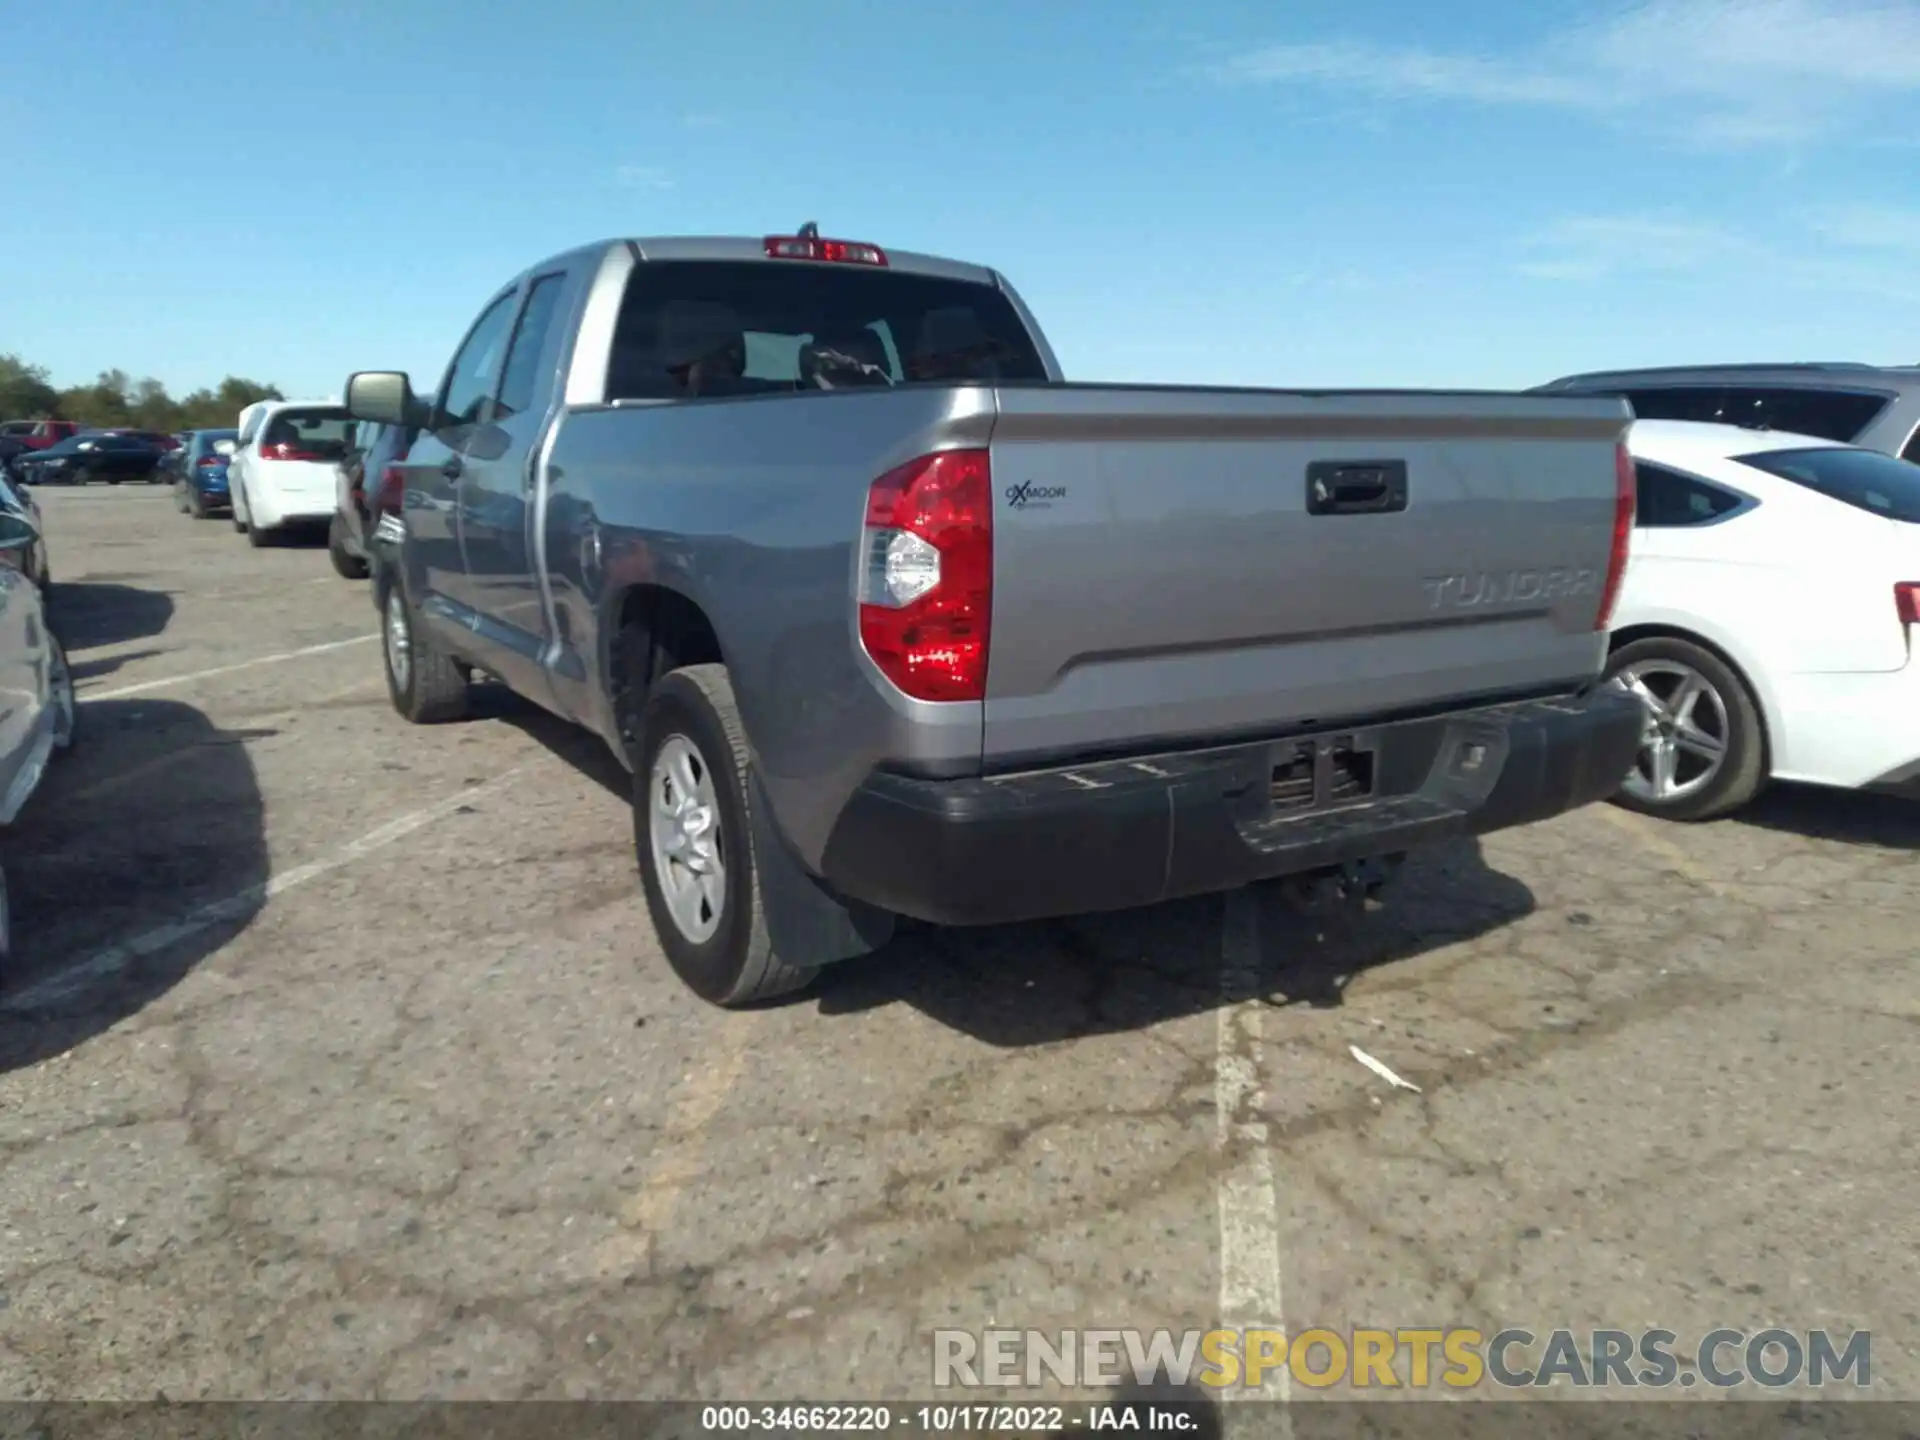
x=1850, y=817
x=143, y=852
x=1020, y=985
x=90, y=613
x=1034, y=984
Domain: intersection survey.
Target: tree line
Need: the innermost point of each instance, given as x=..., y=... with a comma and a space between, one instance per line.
x=115, y=399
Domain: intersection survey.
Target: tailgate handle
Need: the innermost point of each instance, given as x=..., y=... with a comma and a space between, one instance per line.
x=1356, y=487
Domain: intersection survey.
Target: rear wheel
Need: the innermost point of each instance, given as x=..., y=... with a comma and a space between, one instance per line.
x=1703, y=752
x=425, y=683
x=196, y=504
x=691, y=831
x=349, y=565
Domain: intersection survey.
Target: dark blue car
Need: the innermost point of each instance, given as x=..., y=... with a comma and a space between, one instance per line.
x=200, y=475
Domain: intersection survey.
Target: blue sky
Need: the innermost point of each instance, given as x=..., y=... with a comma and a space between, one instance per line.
x=1282, y=192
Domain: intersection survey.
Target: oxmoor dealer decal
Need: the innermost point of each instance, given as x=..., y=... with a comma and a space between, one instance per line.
x=1029, y=496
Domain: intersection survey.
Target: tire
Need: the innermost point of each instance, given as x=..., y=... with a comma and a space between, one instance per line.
x=6, y=925
x=261, y=539
x=1716, y=739
x=690, y=727
x=425, y=684
x=345, y=562
x=196, y=505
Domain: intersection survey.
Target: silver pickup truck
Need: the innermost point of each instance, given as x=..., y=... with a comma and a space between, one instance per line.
x=886, y=618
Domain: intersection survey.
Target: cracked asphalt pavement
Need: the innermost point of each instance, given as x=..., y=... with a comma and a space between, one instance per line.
x=338, y=1060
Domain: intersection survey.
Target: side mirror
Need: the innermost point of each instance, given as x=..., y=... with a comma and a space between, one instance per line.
x=383, y=397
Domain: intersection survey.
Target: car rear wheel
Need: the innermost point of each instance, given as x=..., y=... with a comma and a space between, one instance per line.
x=426, y=684
x=1703, y=752
x=691, y=832
x=349, y=565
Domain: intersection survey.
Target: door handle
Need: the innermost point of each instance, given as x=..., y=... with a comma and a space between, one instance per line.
x=1356, y=487
x=453, y=467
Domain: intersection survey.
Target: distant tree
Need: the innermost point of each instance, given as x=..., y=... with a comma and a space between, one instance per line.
x=236, y=393
x=104, y=402
x=152, y=408
x=26, y=392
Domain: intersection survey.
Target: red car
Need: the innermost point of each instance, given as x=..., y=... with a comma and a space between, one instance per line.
x=38, y=434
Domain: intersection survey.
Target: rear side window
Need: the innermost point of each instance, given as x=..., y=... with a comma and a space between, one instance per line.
x=1840, y=415
x=518, y=380
x=1681, y=402
x=1837, y=415
x=702, y=328
x=1666, y=498
x=1864, y=479
x=318, y=434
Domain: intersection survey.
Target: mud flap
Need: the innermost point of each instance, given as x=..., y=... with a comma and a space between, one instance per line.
x=807, y=923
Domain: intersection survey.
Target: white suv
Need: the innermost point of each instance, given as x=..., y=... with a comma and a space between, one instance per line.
x=284, y=465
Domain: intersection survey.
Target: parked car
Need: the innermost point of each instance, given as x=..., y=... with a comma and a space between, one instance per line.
x=160, y=440
x=200, y=488
x=282, y=472
x=39, y=434
x=1767, y=617
x=37, y=718
x=96, y=456
x=31, y=558
x=888, y=619
x=375, y=452
x=1876, y=406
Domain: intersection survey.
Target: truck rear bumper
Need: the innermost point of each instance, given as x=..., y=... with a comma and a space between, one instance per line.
x=1146, y=828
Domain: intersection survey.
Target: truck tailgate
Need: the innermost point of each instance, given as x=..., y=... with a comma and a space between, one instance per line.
x=1161, y=573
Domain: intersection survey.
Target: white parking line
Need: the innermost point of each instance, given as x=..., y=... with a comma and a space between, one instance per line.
x=115, y=959
x=145, y=685
x=1251, y=1294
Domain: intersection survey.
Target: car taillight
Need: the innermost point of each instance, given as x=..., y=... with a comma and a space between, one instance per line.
x=281, y=450
x=211, y=462
x=812, y=247
x=926, y=577
x=1623, y=505
x=1906, y=600
x=391, y=494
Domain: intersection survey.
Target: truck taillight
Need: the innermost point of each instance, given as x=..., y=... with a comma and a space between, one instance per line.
x=1906, y=600
x=810, y=247
x=1624, y=489
x=390, y=496
x=926, y=575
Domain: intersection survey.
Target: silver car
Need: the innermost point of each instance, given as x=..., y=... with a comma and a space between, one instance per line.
x=36, y=693
x=1874, y=406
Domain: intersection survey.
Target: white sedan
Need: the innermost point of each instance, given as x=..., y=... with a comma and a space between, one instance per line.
x=1767, y=617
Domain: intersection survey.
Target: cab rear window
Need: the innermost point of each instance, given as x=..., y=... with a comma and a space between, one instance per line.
x=690, y=329
x=1865, y=479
